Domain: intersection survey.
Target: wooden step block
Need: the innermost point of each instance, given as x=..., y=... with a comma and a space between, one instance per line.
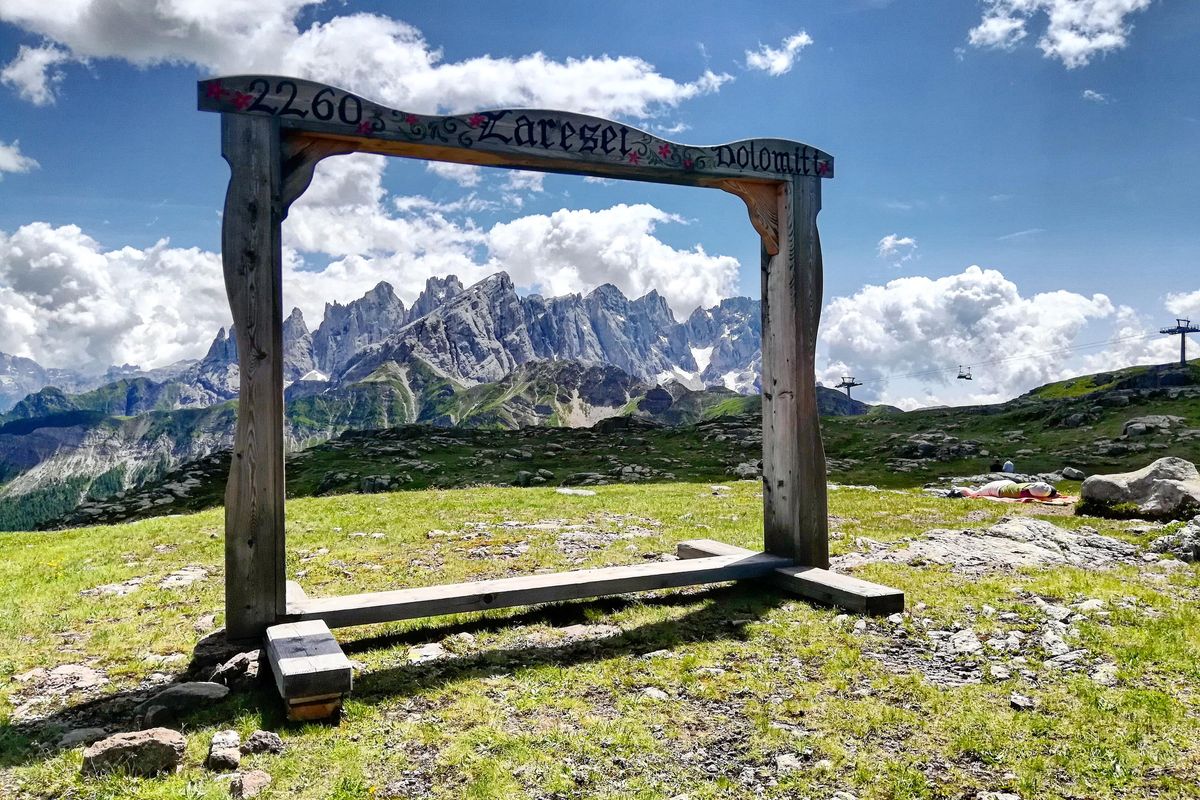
x=311, y=672
x=812, y=583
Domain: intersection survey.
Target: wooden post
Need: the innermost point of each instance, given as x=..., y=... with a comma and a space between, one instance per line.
x=795, y=511
x=252, y=257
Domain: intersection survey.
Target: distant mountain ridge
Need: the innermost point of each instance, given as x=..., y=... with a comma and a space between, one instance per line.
x=471, y=335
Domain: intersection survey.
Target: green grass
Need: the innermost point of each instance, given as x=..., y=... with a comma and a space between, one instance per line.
x=519, y=711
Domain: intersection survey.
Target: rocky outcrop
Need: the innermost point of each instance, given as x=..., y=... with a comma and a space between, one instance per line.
x=1012, y=543
x=146, y=753
x=1183, y=543
x=1167, y=489
x=348, y=329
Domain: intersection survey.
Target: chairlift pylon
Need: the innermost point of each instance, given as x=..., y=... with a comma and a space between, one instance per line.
x=964, y=373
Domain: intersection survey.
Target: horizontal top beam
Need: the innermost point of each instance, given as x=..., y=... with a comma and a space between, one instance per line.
x=547, y=141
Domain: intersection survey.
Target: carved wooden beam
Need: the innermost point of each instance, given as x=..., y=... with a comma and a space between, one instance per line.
x=549, y=141
x=762, y=201
x=301, y=153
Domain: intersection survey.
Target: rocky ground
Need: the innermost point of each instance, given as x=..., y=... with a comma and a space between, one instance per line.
x=1041, y=655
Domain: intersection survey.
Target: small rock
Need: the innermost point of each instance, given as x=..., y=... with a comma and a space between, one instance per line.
x=1053, y=644
x=249, y=784
x=965, y=642
x=426, y=653
x=148, y=752
x=655, y=693
x=224, y=752
x=997, y=796
x=999, y=672
x=1020, y=702
x=1072, y=474
x=788, y=762
x=860, y=626
x=181, y=696
x=241, y=670
x=263, y=742
x=896, y=619
x=206, y=623
x=1105, y=674
x=1088, y=606
x=183, y=578
x=79, y=736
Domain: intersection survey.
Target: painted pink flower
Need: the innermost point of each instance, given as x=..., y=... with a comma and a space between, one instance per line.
x=242, y=100
x=411, y=119
x=634, y=158
x=364, y=126
x=476, y=120
x=665, y=151
x=822, y=167
x=214, y=90
x=687, y=163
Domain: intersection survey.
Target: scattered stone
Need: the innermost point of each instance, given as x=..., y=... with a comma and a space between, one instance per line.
x=1088, y=606
x=426, y=653
x=1053, y=611
x=997, y=796
x=1012, y=543
x=655, y=693
x=224, y=751
x=965, y=642
x=1072, y=474
x=577, y=492
x=80, y=736
x=999, y=672
x=149, y=752
x=1020, y=702
x=1169, y=488
x=896, y=619
x=249, y=784
x=788, y=762
x=184, y=696
x=239, y=671
x=263, y=742
x=1053, y=644
x=1184, y=543
x=206, y=623
x=1105, y=674
x=182, y=578
x=114, y=589
x=860, y=626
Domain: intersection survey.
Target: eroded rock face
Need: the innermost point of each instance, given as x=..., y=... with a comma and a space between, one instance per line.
x=147, y=753
x=1011, y=543
x=1168, y=488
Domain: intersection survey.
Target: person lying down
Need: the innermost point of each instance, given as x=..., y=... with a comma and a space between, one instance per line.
x=1037, y=490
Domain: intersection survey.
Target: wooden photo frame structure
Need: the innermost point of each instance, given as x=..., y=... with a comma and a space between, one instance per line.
x=274, y=131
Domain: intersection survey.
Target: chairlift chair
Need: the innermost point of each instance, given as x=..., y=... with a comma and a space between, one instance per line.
x=964, y=373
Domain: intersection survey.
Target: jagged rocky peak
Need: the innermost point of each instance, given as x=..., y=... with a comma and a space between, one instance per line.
x=223, y=349
x=347, y=329
x=298, y=360
x=437, y=291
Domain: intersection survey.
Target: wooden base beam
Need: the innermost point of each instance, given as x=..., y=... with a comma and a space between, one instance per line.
x=311, y=672
x=365, y=609
x=811, y=583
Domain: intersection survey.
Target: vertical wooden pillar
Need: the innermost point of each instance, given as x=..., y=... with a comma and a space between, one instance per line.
x=795, y=510
x=252, y=257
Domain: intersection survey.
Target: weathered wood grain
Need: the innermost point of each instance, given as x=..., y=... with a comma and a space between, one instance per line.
x=307, y=662
x=795, y=511
x=553, y=141
x=812, y=583
x=364, y=609
x=252, y=259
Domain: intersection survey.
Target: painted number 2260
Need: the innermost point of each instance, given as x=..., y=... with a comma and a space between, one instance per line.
x=348, y=109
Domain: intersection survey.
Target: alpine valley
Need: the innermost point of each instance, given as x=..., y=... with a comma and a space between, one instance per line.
x=475, y=357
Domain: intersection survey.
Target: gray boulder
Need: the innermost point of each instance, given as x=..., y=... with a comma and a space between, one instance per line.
x=1072, y=474
x=1168, y=488
x=149, y=752
x=184, y=696
x=1140, y=426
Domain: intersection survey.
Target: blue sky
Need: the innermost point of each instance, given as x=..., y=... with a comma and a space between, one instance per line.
x=964, y=144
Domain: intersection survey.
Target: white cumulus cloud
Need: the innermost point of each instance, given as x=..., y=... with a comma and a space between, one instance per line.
x=13, y=160
x=1076, y=30
x=778, y=60
x=380, y=57
x=1184, y=304
x=465, y=175
x=35, y=72
x=923, y=328
x=896, y=249
x=1093, y=96
x=65, y=300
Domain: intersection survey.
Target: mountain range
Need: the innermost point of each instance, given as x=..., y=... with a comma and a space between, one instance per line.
x=478, y=356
